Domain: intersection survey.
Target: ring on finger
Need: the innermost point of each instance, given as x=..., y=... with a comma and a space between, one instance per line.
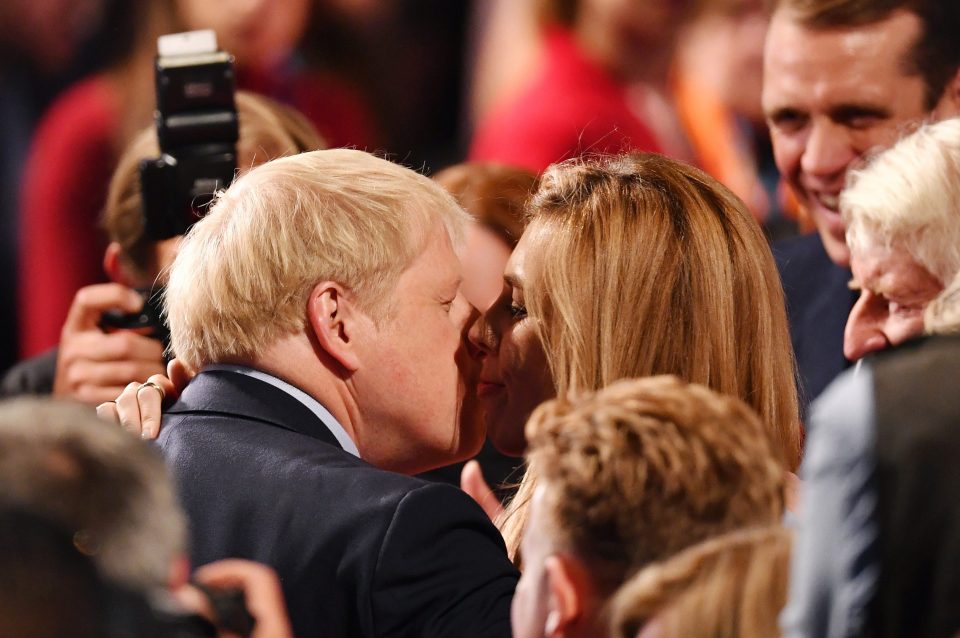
x=151, y=384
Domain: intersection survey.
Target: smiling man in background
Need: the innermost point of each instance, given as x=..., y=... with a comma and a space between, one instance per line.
x=843, y=78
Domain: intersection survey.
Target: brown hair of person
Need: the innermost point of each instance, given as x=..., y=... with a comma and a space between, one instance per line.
x=496, y=195
x=268, y=130
x=644, y=468
x=731, y=586
x=936, y=53
x=650, y=266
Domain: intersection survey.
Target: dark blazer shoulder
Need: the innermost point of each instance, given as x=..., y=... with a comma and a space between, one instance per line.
x=360, y=551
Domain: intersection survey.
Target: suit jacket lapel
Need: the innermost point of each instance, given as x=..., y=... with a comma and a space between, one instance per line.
x=238, y=395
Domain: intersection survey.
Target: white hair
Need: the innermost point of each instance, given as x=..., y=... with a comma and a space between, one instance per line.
x=244, y=273
x=942, y=315
x=909, y=197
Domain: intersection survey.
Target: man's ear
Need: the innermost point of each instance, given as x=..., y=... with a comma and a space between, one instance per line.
x=567, y=590
x=117, y=270
x=949, y=103
x=335, y=321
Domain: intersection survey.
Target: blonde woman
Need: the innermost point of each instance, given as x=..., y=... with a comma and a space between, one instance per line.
x=630, y=267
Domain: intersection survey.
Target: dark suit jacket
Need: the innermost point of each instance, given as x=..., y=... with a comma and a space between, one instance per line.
x=360, y=551
x=917, y=473
x=818, y=304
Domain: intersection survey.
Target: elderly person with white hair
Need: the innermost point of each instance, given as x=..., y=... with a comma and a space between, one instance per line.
x=902, y=213
x=871, y=557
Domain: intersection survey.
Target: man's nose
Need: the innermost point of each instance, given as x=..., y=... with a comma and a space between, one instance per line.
x=828, y=151
x=864, y=332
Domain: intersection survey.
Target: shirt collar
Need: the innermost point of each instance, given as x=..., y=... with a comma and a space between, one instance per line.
x=308, y=401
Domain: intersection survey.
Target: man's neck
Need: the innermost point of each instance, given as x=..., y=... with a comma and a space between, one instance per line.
x=293, y=360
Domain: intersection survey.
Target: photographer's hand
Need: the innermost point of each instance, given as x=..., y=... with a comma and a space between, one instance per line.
x=261, y=592
x=92, y=366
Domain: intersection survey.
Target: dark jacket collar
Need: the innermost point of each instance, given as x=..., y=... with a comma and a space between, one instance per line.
x=238, y=395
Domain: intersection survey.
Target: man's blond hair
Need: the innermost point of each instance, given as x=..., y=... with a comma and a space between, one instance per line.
x=644, y=468
x=268, y=130
x=244, y=273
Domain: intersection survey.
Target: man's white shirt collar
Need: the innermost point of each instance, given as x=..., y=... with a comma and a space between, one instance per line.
x=311, y=404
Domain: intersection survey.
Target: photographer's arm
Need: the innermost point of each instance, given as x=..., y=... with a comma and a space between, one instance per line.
x=93, y=366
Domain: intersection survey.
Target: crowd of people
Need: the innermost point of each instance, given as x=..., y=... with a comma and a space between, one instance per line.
x=671, y=351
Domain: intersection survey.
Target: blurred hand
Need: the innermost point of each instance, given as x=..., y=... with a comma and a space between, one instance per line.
x=261, y=589
x=139, y=407
x=93, y=366
x=473, y=483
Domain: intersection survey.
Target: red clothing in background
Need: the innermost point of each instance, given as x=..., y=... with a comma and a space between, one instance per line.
x=572, y=107
x=64, y=189
x=72, y=158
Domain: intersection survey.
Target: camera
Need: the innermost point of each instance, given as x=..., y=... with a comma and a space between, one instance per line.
x=197, y=128
x=148, y=322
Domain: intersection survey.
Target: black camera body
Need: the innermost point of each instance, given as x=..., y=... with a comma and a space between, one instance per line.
x=198, y=128
x=149, y=322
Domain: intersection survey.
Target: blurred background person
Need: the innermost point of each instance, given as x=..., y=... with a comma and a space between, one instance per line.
x=631, y=475
x=92, y=122
x=106, y=486
x=876, y=551
x=113, y=496
x=599, y=86
x=699, y=93
x=48, y=587
x=730, y=586
x=90, y=365
x=902, y=215
x=717, y=79
x=45, y=45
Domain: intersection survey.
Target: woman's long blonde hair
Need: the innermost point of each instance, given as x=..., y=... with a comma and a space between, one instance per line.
x=649, y=266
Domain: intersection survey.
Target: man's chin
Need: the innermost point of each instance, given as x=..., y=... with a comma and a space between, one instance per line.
x=834, y=238
x=837, y=250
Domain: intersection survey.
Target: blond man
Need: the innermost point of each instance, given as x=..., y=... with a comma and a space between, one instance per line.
x=319, y=302
x=632, y=475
